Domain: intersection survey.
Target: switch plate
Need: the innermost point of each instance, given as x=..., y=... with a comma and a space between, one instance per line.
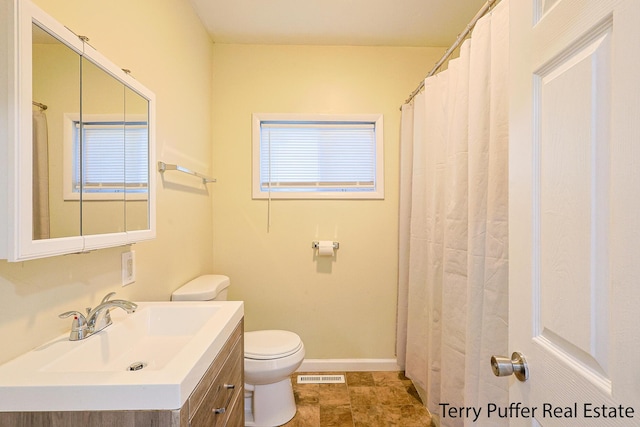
x=128, y=268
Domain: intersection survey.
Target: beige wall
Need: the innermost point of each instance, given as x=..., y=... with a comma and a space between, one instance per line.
x=342, y=308
x=167, y=49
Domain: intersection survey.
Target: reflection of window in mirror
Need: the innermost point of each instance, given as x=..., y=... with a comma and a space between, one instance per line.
x=103, y=169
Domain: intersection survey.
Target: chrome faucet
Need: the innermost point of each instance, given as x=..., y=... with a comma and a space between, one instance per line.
x=96, y=319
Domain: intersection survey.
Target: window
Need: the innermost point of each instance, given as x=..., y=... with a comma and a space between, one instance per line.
x=115, y=158
x=317, y=156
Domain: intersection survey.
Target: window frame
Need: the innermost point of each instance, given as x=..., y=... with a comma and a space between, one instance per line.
x=69, y=189
x=375, y=119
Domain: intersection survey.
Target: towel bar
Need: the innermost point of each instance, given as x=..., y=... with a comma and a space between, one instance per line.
x=162, y=167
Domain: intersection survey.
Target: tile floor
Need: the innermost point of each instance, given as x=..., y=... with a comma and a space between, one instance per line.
x=368, y=399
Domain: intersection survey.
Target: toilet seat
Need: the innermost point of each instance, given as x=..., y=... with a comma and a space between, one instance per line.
x=270, y=344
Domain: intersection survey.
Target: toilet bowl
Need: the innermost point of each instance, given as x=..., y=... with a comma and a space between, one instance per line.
x=270, y=357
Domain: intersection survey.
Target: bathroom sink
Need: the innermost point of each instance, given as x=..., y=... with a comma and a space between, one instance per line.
x=153, y=336
x=150, y=359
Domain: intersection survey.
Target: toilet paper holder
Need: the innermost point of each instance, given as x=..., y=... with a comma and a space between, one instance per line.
x=316, y=245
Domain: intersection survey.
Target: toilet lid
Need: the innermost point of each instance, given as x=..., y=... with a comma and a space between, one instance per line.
x=270, y=344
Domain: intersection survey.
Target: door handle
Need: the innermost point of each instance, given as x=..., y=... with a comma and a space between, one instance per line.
x=517, y=365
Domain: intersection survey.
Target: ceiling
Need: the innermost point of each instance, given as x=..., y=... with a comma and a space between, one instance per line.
x=337, y=22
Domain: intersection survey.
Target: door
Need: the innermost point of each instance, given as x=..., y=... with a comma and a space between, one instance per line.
x=574, y=203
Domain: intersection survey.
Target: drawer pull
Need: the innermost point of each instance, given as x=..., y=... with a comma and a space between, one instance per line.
x=224, y=409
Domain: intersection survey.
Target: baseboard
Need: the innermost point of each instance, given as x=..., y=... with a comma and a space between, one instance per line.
x=348, y=365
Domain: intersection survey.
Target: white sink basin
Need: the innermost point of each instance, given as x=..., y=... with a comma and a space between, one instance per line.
x=174, y=342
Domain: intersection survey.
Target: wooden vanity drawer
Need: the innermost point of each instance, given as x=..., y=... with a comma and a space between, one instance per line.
x=236, y=414
x=223, y=393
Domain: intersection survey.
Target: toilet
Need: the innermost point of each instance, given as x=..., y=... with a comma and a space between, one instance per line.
x=270, y=357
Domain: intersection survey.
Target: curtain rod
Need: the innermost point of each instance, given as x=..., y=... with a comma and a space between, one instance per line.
x=483, y=10
x=39, y=105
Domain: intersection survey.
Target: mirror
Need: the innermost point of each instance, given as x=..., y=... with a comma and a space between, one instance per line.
x=80, y=136
x=101, y=151
x=56, y=85
x=91, y=146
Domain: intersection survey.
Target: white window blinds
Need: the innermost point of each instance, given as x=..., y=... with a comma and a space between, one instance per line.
x=115, y=157
x=318, y=156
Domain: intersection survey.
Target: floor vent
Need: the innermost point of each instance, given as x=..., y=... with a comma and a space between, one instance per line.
x=320, y=379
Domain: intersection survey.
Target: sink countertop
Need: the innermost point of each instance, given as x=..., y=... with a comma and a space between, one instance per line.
x=177, y=341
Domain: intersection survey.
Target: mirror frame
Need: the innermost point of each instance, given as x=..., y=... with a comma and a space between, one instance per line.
x=16, y=124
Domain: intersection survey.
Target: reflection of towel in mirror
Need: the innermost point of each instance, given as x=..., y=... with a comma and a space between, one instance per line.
x=40, y=176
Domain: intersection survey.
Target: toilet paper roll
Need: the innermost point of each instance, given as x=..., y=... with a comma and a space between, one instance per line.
x=325, y=248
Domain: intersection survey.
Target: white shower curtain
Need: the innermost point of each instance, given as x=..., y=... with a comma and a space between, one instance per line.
x=453, y=227
x=41, y=228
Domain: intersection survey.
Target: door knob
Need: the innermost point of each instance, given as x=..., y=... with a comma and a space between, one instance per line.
x=517, y=365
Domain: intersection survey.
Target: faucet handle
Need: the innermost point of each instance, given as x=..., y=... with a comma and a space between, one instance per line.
x=78, y=326
x=77, y=314
x=107, y=296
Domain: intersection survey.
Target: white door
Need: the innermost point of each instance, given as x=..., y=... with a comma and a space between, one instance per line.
x=574, y=202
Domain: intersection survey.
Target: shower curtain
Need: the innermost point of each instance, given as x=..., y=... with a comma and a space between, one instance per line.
x=40, y=176
x=453, y=227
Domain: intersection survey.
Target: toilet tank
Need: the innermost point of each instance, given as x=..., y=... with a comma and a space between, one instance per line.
x=210, y=287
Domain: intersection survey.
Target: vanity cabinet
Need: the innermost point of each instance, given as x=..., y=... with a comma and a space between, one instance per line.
x=77, y=138
x=217, y=400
